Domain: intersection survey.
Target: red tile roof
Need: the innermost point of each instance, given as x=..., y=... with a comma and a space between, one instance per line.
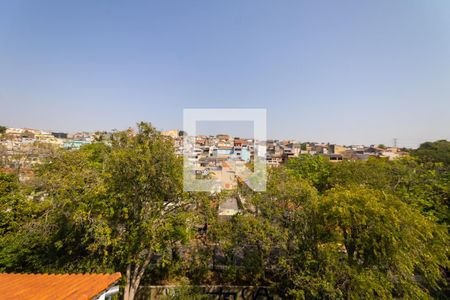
x=55, y=286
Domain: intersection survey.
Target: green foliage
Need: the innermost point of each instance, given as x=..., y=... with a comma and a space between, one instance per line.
x=186, y=292
x=67, y=190
x=315, y=169
x=8, y=200
x=348, y=230
x=351, y=242
x=109, y=207
x=17, y=212
x=425, y=186
x=438, y=151
x=145, y=186
x=381, y=243
x=254, y=242
x=2, y=129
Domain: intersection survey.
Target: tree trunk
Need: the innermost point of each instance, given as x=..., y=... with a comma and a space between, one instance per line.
x=133, y=281
x=126, y=294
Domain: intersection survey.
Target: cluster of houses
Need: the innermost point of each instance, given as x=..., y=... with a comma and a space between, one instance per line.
x=214, y=155
x=211, y=151
x=280, y=151
x=20, y=136
x=221, y=157
x=22, y=148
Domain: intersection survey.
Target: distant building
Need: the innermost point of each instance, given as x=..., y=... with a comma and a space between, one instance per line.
x=171, y=133
x=239, y=142
x=320, y=149
x=46, y=138
x=336, y=149
x=335, y=157
x=74, y=145
x=82, y=136
x=223, y=137
x=222, y=151
x=14, y=131
x=59, y=135
x=242, y=153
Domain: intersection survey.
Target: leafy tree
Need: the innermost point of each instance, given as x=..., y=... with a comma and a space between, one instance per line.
x=117, y=207
x=69, y=189
x=255, y=241
x=425, y=186
x=145, y=186
x=2, y=129
x=352, y=242
x=369, y=245
x=314, y=168
x=10, y=200
x=438, y=151
x=373, y=173
x=16, y=210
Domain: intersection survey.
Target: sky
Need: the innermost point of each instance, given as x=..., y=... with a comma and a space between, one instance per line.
x=348, y=72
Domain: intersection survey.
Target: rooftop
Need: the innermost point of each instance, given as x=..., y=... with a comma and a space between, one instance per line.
x=55, y=286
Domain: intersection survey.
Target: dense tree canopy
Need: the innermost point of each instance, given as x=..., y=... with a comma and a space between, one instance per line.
x=438, y=151
x=109, y=207
x=347, y=230
x=351, y=242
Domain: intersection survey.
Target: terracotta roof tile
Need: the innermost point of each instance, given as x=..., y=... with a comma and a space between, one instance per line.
x=54, y=286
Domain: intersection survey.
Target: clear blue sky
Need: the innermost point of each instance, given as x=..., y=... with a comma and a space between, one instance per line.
x=338, y=71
